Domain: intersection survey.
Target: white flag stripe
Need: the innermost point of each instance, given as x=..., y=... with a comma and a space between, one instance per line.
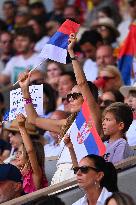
x=80, y=149
x=54, y=53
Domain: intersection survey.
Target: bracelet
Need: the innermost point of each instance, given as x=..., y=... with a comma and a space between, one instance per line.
x=73, y=58
x=27, y=101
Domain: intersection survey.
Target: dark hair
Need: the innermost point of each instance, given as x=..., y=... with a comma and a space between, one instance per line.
x=39, y=149
x=93, y=89
x=51, y=94
x=36, y=5
x=60, y=65
x=71, y=75
x=122, y=113
x=12, y=3
x=110, y=175
x=1, y=98
x=40, y=22
x=26, y=31
x=92, y=36
x=107, y=10
x=121, y=199
x=118, y=96
x=46, y=200
x=3, y=25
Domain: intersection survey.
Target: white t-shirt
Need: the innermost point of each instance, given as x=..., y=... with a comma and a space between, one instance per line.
x=18, y=64
x=51, y=149
x=90, y=69
x=41, y=43
x=131, y=134
x=101, y=200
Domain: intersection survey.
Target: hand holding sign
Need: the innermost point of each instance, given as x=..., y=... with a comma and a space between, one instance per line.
x=17, y=102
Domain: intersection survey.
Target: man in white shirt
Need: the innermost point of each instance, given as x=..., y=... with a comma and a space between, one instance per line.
x=26, y=59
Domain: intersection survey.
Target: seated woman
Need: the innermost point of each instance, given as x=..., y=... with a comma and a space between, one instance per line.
x=95, y=176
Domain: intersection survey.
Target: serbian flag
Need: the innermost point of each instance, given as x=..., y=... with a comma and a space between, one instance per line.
x=84, y=136
x=56, y=47
x=127, y=54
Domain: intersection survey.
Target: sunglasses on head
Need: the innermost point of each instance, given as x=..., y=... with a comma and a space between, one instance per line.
x=84, y=169
x=73, y=96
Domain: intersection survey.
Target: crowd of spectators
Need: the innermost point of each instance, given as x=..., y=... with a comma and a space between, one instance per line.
x=91, y=73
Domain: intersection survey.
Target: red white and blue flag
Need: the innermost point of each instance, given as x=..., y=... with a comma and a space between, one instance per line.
x=84, y=135
x=127, y=56
x=56, y=47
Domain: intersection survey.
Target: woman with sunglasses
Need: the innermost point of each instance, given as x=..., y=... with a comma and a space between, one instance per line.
x=109, y=78
x=78, y=93
x=95, y=176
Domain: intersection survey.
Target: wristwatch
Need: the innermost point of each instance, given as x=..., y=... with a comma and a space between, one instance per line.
x=73, y=58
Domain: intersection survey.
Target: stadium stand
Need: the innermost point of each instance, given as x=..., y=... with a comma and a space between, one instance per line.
x=69, y=191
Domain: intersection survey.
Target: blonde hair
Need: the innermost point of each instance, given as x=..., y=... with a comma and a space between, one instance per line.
x=115, y=72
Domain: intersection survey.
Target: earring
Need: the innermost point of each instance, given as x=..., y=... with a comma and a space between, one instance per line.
x=97, y=184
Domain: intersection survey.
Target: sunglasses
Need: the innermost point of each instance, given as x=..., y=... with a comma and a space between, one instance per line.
x=84, y=169
x=102, y=28
x=105, y=102
x=73, y=96
x=13, y=132
x=106, y=78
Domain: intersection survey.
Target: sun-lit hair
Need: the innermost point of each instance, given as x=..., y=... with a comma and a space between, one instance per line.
x=113, y=71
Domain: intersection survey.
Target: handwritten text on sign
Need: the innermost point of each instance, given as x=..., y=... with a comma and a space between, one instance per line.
x=17, y=102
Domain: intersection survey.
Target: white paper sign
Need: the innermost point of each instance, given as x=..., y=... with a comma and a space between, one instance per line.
x=17, y=102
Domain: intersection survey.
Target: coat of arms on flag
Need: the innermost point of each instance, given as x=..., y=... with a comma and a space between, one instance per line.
x=84, y=136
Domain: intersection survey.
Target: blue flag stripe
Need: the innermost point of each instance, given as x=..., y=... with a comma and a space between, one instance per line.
x=91, y=145
x=125, y=67
x=80, y=120
x=59, y=39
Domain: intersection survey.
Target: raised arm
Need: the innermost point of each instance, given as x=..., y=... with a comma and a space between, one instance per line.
x=82, y=83
x=33, y=118
x=69, y=145
x=28, y=145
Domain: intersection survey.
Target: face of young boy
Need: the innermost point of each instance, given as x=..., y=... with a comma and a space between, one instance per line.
x=110, y=125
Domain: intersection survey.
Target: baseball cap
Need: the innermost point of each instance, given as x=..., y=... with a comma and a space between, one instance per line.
x=10, y=172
